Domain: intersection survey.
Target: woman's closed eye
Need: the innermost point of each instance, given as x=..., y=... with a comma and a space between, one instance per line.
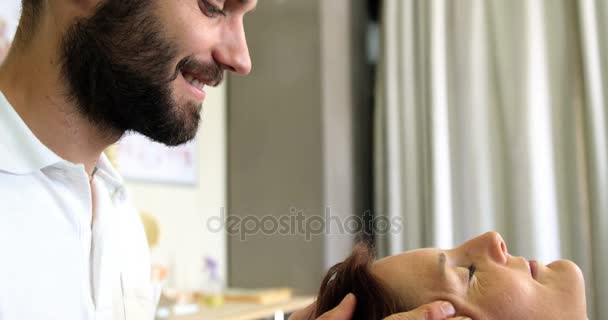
x=472, y=270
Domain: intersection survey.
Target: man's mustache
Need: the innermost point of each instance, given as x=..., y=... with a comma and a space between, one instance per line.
x=212, y=73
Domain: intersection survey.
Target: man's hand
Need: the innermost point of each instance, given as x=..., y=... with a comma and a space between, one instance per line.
x=344, y=311
x=433, y=311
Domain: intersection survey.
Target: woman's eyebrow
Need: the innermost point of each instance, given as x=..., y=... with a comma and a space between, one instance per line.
x=442, y=262
x=446, y=282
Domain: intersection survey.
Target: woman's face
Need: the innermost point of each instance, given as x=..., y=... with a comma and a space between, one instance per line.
x=483, y=281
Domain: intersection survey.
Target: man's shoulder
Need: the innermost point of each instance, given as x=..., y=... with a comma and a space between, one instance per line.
x=25, y=192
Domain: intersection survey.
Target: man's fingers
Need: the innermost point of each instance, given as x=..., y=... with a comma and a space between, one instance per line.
x=344, y=311
x=438, y=310
x=304, y=314
x=433, y=311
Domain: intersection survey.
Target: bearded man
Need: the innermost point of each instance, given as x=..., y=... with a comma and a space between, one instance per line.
x=78, y=76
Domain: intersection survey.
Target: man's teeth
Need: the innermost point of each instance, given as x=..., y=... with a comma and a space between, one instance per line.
x=194, y=82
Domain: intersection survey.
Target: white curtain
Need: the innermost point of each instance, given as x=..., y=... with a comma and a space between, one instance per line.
x=491, y=115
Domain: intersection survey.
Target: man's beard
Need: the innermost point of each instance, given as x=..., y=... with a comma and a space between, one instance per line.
x=119, y=70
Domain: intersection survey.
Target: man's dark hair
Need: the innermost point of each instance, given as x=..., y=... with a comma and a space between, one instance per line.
x=30, y=12
x=375, y=300
x=31, y=6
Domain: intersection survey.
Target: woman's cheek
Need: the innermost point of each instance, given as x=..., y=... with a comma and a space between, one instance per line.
x=505, y=298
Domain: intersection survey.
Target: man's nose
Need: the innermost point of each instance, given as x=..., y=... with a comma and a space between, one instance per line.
x=491, y=244
x=233, y=52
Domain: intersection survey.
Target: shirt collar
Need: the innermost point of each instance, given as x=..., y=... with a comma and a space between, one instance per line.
x=22, y=152
x=26, y=154
x=108, y=173
x=112, y=180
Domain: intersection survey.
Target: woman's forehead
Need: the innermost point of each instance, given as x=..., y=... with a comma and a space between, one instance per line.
x=418, y=265
x=414, y=256
x=416, y=276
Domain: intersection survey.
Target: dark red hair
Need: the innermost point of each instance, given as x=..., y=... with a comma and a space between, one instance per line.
x=375, y=300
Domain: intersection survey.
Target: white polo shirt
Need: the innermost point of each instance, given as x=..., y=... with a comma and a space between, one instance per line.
x=55, y=263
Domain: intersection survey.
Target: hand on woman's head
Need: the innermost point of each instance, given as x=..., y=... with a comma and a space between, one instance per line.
x=439, y=310
x=375, y=300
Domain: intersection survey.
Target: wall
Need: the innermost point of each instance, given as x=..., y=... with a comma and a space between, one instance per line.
x=295, y=141
x=275, y=154
x=9, y=17
x=183, y=211
x=9, y=13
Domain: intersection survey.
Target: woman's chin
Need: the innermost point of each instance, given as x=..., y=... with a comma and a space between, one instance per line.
x=568, y=269
x=570, y=281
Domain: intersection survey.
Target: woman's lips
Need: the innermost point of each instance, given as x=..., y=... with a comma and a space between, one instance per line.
x=533, y=269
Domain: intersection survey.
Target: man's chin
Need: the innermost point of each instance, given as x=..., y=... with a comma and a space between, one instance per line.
x=178, y=138
x=171, y=138
x=169, y=128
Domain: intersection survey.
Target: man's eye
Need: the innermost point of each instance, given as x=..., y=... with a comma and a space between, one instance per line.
x=210, y=10
x=472, y=270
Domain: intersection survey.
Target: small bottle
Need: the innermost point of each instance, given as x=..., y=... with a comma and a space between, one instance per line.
x=213, y=286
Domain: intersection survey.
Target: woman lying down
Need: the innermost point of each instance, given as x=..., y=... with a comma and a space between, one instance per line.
x=479, y=278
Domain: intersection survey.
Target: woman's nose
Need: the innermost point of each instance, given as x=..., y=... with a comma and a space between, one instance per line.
x=491, y=244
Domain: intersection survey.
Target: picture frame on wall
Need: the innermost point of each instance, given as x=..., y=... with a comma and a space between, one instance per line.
x=141, y=160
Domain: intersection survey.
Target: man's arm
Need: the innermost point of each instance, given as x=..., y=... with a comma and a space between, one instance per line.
x=433, y=311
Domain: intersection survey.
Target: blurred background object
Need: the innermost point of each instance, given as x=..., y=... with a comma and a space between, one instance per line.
x=9, y=17
x=151, y=227
x=4, y=41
